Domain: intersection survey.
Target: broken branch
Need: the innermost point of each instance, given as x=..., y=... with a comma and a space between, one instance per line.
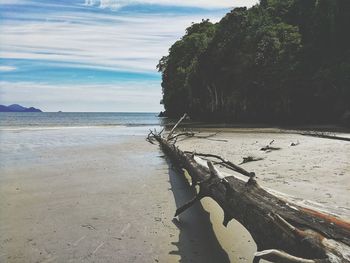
x=283, y=230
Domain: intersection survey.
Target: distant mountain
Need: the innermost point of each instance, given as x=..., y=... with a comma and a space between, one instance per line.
x=32, y=109
x=17, y=108
x=3, y=108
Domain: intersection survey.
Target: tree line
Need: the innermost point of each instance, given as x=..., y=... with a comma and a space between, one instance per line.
x=280, y=61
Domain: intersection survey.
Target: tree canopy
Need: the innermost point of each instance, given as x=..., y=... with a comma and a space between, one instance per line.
x=278, y=61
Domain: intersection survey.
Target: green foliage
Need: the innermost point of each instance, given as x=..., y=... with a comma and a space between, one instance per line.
x=178, y=65
x=282, y=60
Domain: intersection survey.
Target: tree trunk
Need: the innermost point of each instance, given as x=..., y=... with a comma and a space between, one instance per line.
x=286, y=231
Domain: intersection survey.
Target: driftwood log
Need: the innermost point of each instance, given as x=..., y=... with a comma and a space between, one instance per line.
x=283, y=231
x=326, y=136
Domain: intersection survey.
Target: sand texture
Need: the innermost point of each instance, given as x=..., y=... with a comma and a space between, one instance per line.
x=315, y=169
x=91, y=196
x=106, y=195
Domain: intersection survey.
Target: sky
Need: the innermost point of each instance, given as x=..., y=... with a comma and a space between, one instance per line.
x=93, y=55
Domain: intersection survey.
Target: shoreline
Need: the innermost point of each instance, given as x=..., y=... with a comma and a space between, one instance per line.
x=101, y=194
x=92, y=196
x=281, y=127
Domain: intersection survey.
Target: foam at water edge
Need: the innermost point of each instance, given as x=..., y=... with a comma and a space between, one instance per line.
x=30, y=128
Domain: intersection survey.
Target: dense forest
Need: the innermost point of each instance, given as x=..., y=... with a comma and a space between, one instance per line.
x=280, y=61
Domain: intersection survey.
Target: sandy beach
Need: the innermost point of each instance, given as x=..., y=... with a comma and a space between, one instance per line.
x=107, y=195
x=139, y=131
x=103, y=195
x=315, y=169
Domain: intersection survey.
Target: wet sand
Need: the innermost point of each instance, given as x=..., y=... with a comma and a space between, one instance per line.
x=96, y=196
x=102, y=195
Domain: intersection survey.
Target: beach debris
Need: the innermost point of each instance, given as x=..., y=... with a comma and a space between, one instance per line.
x=98, y=247
x=150, y=137
x=283, y=230
x=175, y=126
x=295, y=143
x=89, y=226
x=250, y=159
x=268, y=148
x=78, y=241
x=208, y=137
x=173, y=137
x=222, y=161
x=191, y=134
x=275, y=255
x=325, y=135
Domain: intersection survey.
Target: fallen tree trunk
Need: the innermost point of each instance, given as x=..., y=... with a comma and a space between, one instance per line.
x=283, y=231
x=326, y=136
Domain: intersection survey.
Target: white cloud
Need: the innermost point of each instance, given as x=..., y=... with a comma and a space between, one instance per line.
x=105, y=3
x=132, y=43
x=7, y=68
x=82, y=37
x=115, y=4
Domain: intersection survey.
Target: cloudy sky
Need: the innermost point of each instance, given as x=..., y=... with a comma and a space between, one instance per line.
x=92, y=55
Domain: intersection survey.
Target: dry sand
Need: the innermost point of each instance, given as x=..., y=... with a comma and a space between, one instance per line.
x=316, y=169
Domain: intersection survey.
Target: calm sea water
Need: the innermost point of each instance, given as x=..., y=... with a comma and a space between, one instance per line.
x=25, y=137
x=29, y=120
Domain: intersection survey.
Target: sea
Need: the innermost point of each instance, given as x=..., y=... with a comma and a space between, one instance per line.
x=55, y=120
x=88, y=187
x=25, y=135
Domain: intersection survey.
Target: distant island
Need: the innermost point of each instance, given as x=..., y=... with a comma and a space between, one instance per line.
x=17, y=108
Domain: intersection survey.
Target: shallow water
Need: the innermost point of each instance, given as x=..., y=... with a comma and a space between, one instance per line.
x=20, y=147
x=40, y=120
x=101, y=193
x=25, y=135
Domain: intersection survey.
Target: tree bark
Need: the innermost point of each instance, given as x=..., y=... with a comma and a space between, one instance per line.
x=287, y=232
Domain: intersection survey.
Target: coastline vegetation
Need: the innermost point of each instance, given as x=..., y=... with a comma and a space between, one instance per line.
x=280, y=61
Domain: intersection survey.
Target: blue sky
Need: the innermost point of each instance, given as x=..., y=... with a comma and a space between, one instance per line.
x=92, y=55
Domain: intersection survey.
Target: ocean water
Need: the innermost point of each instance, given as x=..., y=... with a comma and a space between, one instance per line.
x=62, y=172
x=25, y=136
x=41, y=120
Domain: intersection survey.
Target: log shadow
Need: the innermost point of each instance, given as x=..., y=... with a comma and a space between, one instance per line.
x=197, y=240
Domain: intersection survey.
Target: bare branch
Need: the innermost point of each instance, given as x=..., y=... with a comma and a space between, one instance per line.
x=274, y=222
x=188, y=204
x=269, y=148
x=189, y=134
x=251, y=159
x=194, y=135
x=175, y=126
x=226, y=163
x=278, y=256
x=326, y=136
